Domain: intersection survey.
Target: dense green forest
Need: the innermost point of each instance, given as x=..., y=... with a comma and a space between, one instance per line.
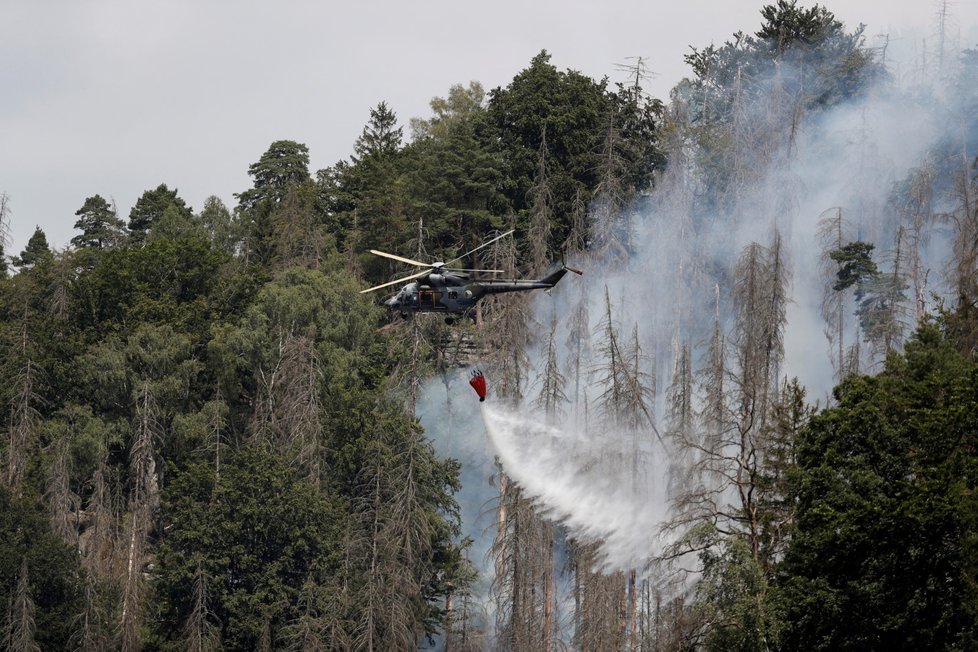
x=210, y=439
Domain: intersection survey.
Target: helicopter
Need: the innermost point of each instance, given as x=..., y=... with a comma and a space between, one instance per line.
x=440, y=288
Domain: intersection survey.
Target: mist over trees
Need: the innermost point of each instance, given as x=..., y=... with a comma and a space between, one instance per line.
x=211, y=440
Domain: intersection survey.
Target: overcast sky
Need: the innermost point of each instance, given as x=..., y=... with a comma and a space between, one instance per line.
x=114, y=97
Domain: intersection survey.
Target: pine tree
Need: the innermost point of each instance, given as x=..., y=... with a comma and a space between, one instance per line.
x=99, y=224
x=151, y=208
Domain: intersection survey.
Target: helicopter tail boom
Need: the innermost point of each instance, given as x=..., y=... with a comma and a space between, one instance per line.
x=545, y=283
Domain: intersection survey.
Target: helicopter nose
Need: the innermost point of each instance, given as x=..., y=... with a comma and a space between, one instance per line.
x=392, y=302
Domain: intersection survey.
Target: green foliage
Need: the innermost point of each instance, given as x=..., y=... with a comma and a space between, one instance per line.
x=36, y=251
x=55, y=584
x=454, y=181
x=734, y=586
x=856, y=266
x=570, y=111
x=176, y=280
x=99, y=225
x=786, y=25
x=881, y=552
x=281, y=170
x=381, y=137
x=283, y=166
x=219, y=224
x=257, y=534
x=879, y=295
x=152, y=207
x=366, y=196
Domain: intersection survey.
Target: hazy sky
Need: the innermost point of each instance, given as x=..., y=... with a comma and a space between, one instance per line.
x=115, y=97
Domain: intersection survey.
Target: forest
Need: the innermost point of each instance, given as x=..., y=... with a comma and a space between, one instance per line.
x=751, y=424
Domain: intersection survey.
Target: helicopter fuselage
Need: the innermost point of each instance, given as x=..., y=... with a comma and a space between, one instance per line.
x=455, y=293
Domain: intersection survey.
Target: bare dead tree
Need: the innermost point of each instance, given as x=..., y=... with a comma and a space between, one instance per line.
x=701, y=506
x=200, y=633
x=833, y=234
x=93, y=633
x=63, y=503
x=759, y=293
x=681, y=426
x=63, y=275
x=730, y=457
x=369, y=631
x=578, y=344
x=24, y=375
x=509, y=336
x=965, y=251
x=143, y=499
x=524, y=586
x=99, y=538
x=601, y=612
x=286, y=417
x=916, y=207
x=611, y=227
x=4, y=230
x=577, y=238
x=21, y=637
x=552, y=396
x=394, y=540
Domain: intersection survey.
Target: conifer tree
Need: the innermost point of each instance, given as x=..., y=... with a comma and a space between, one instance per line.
x=99, y=224
x=151, y=208
x=36, y=251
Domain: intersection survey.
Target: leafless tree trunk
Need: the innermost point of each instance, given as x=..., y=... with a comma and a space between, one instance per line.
x=833, y=235
x=760, y=281
x=199, y=632
x=93, y=632
x=918, y=212
x=23, y=414
x=143, y=499
x=612, y=235
x=99, y=538
x=288, y=406
x=578, y=345
x=552, y=396
x=63, y=503
x=965, y=253
x=21, y=632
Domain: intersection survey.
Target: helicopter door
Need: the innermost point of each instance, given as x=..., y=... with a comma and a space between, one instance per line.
x=427, y=299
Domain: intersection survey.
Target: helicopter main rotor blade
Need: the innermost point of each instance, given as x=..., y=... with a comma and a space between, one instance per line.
x=396, y=281
x=484, y=244
x=461, y=269
x=399, y=258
